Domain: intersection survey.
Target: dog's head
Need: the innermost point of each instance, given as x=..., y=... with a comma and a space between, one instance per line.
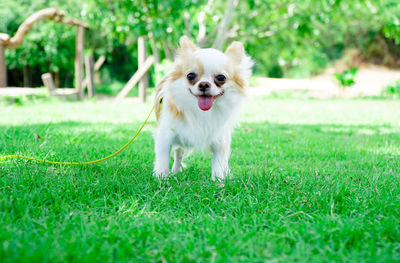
x=206, y=75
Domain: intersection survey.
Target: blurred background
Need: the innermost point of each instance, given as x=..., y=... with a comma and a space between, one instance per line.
x=323, y=45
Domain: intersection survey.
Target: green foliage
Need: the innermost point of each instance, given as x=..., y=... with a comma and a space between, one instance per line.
x=391, y=20
x=393, y=90
x=392, y=31
x=286, y=38
x=108, y=88
x=347, y=77
x=161, y=70
x=318, y=184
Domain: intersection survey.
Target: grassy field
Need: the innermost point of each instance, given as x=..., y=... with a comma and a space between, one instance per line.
x=314, y=181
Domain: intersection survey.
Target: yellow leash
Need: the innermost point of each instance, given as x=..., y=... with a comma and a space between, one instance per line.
x=2, y=158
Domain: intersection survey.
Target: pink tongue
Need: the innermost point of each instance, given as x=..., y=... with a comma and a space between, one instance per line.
x=205, y=102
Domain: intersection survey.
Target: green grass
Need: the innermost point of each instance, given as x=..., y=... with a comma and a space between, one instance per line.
x=315, y=181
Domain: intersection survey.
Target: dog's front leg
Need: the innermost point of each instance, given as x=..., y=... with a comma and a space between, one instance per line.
x=163, y=143
x=220, y=159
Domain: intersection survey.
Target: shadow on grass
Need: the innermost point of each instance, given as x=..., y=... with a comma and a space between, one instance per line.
x=257, y=147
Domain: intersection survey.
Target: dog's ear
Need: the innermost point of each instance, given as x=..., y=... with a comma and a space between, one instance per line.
x=235, y=51
x=187, y=45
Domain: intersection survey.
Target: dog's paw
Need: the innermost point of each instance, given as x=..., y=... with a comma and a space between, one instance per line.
x=220, y=177
x=219, y=181
x=162, y=175
x=176, y=170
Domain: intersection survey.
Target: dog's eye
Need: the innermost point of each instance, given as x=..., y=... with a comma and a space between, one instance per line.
x=220, y=78
x=191, y=76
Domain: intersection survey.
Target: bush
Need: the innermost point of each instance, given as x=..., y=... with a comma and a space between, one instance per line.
x=346, y=79
x=393, y=90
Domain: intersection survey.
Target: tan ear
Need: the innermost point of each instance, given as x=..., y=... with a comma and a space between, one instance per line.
x=235, y=51
x=186, y=44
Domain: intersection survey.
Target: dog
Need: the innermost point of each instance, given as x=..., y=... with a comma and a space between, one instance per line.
x=197, y=105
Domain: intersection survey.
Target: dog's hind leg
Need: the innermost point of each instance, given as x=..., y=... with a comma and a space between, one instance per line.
x=178, y=156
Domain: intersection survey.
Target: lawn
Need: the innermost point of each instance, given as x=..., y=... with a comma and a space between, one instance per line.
x=314, y=181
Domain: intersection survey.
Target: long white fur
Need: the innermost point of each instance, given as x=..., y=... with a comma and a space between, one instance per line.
x=200, y=130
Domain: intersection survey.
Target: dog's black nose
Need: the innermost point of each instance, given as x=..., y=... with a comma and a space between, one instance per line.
x=204, y=86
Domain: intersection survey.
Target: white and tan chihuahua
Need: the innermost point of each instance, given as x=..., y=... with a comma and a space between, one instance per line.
x=198, y=103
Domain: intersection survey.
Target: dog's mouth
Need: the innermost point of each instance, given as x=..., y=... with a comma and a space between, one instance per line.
x=205, y=102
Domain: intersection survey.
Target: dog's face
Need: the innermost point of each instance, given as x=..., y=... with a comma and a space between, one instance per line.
x=207, y=80
x=206, y=75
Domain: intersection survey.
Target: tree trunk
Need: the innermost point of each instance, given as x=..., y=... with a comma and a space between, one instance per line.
x=79, y=61
x=144, y=82
x=168, y=53
x=27, y=76
x=154, y=48
x=3, y=68
x=89, y=75
x=223, y=27
x=201, y=36
x=57, y=79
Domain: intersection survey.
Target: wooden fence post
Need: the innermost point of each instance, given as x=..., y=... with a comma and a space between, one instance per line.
x=97, y=65
x=135, y=79
x=3, y=68
x=79, y=61
x=89, y=75
x=144, y=82
x=49, y=83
